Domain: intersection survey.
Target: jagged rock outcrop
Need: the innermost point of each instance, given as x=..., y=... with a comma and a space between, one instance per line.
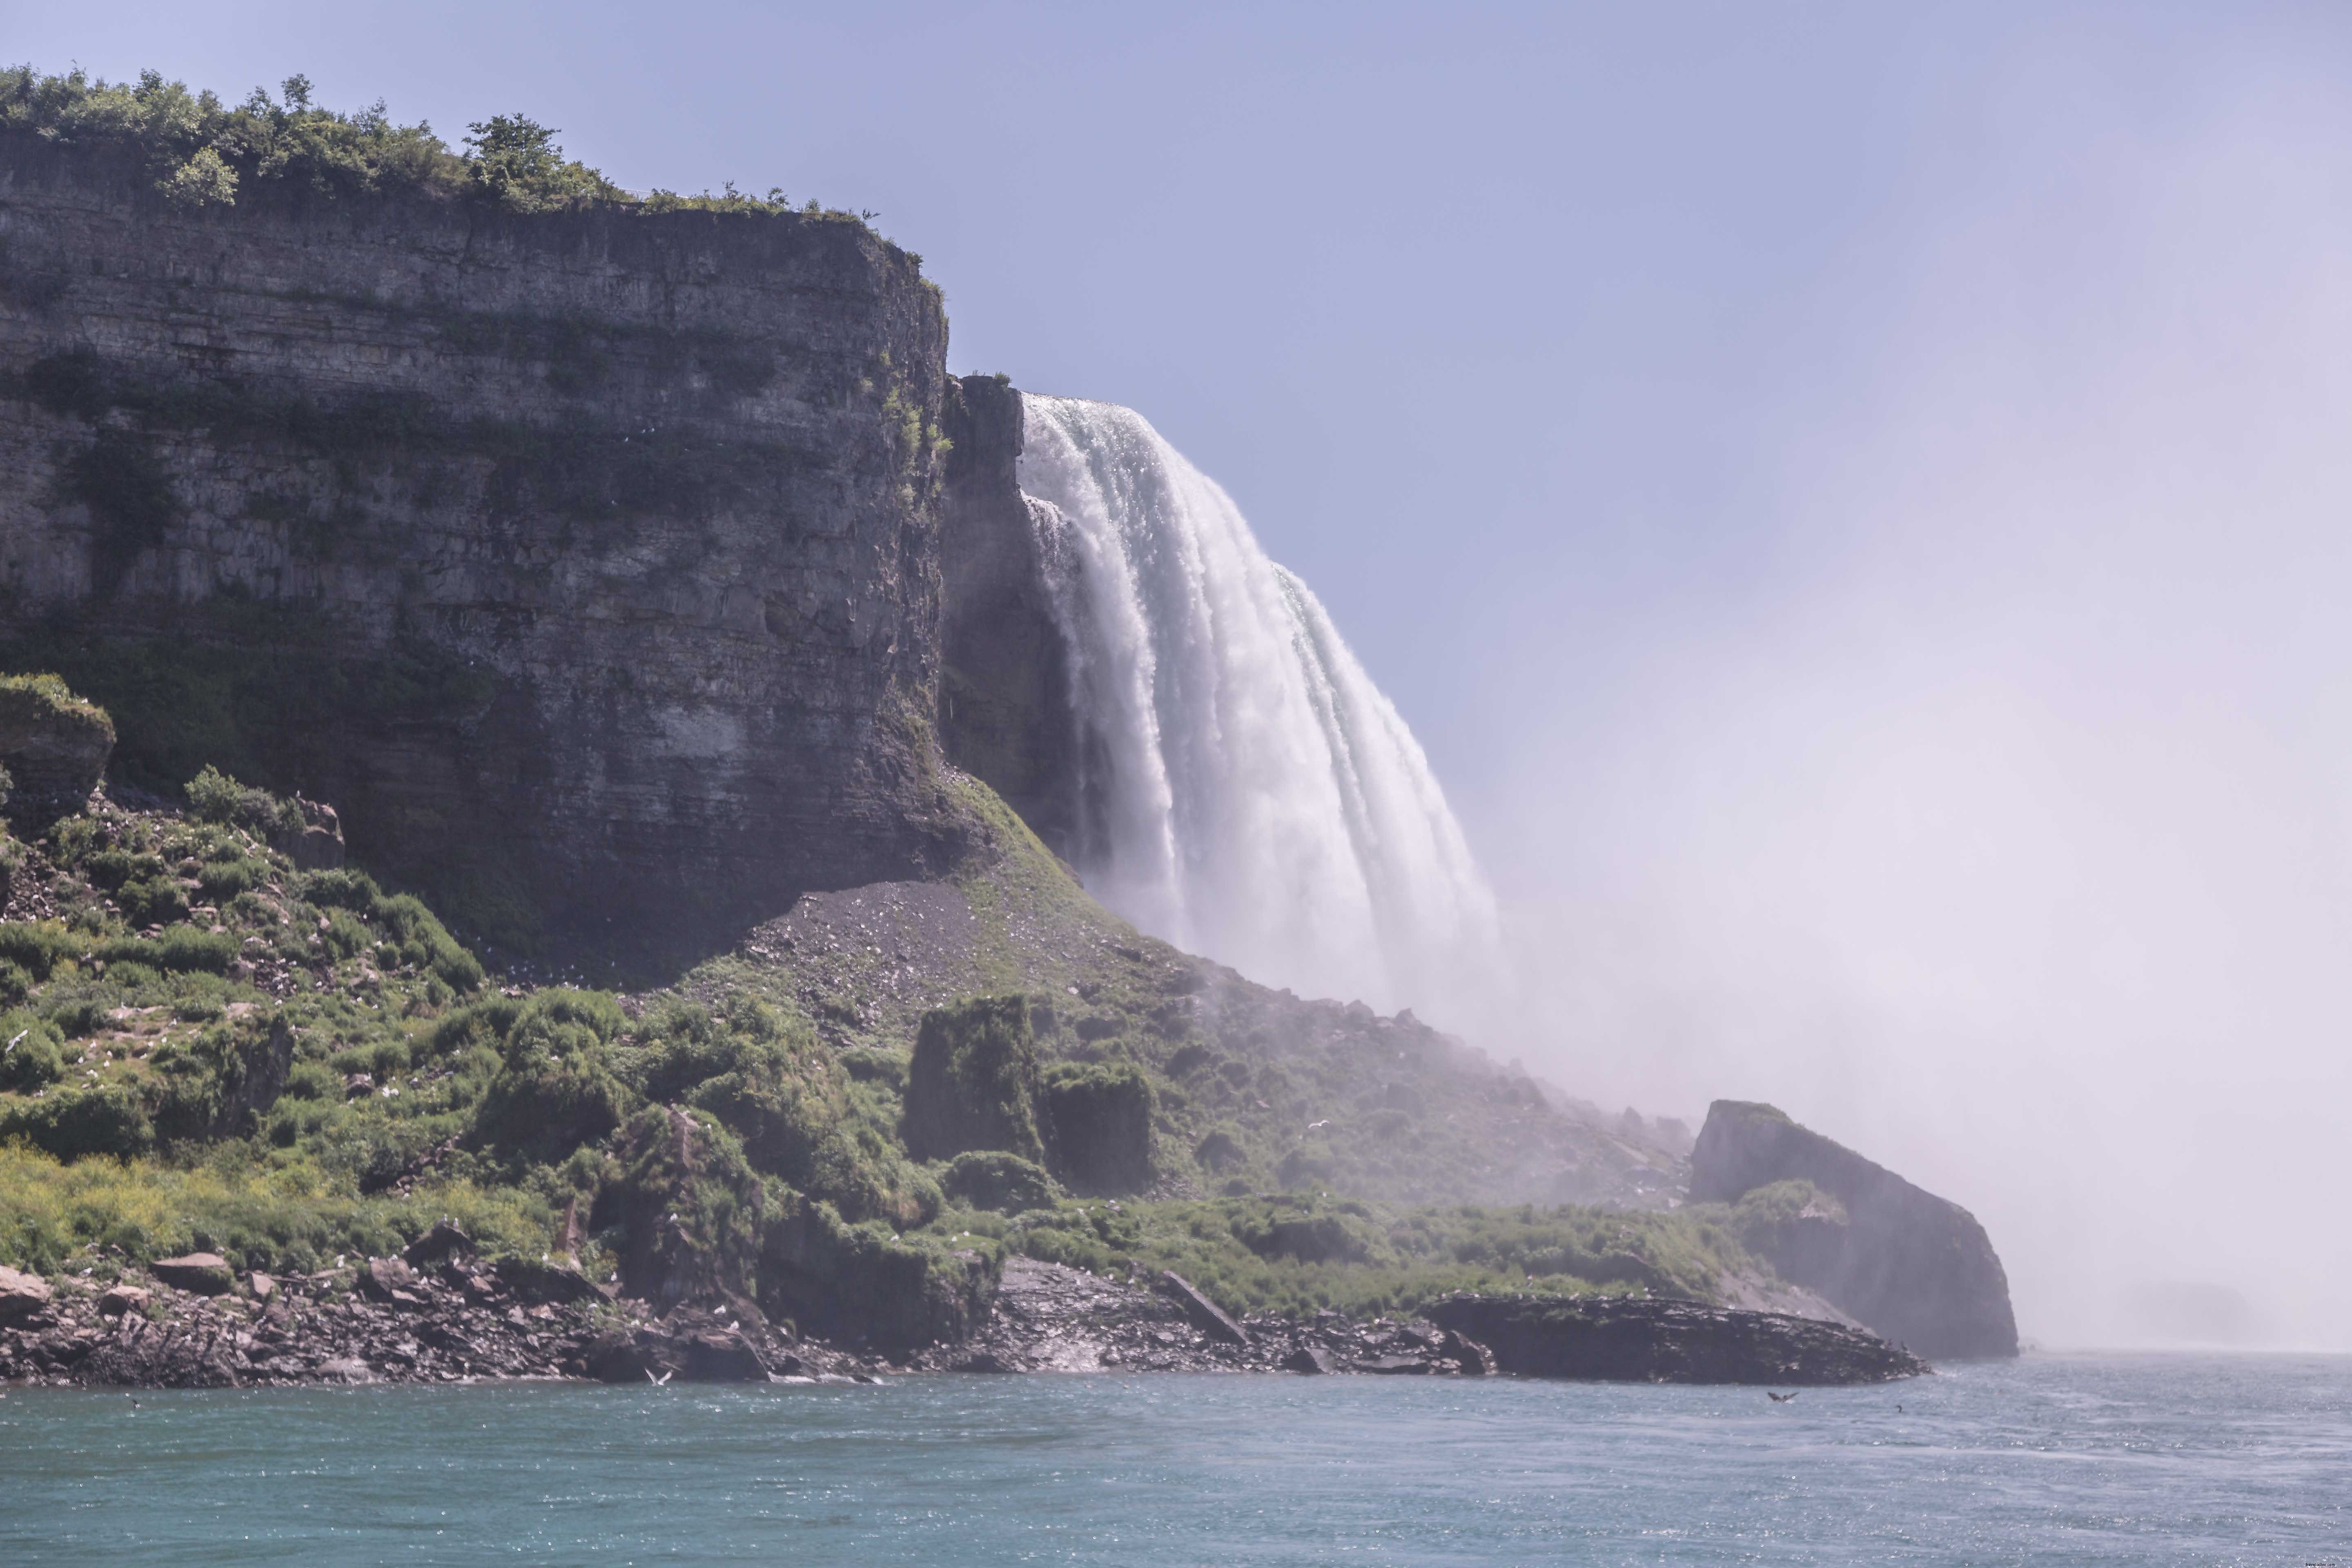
x=1621, y=1339
x=587, y=561
x=1914, y=1267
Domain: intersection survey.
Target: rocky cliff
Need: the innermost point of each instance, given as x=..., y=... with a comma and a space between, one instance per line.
x=1913, y=1266
x=1005, y=713
x=588, y=560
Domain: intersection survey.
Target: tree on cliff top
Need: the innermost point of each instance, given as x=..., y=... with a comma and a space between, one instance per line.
x=199, y=151
x=515, y=161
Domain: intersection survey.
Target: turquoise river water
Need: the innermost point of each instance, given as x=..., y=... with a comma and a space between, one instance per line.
x=2051, y=1460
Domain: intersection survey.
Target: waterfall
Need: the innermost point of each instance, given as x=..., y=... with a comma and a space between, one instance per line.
x=1247, y=793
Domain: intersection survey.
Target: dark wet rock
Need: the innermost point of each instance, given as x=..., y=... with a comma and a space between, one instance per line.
x=555, y=1283
x=22, y=1296
x=713, y=1356
x=1638, y=1340
x=443, y=1241
x=206, y=1273
x=617, y=1357
x=1466, y=1355
x=1205, y=1315
x=1913, y=1266
x=1310, y=1359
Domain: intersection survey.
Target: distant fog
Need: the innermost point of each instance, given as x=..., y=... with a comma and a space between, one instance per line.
x=1996, y=822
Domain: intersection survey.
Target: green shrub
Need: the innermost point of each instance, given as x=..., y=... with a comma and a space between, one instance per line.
x=181, y=949
x=152, y=900
x=222, y=880
x=31, y=1052
x=70, y=1123
x=344, y=936
x=990, y=1179
x=419, y=939
x=37, y=945
x=555, y=1088
x=214, y=797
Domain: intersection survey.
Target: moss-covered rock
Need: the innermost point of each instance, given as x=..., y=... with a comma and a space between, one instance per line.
x=692, y=1211
x=863, y=1284
x=54, y=745
x=990, y=1179
x=555, y=1088
x=973, y=1082
x=1100, y=1118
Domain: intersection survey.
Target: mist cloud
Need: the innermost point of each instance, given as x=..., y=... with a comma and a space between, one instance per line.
x=1999, y=828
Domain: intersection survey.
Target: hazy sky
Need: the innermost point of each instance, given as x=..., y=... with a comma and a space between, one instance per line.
x=1853, y=499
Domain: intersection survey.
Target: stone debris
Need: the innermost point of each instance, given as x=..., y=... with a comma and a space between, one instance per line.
x=381, y=1320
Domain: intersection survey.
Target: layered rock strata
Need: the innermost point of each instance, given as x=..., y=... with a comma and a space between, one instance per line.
x=587, y=561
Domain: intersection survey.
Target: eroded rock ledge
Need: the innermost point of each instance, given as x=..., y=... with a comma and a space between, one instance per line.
x=1634, y=1339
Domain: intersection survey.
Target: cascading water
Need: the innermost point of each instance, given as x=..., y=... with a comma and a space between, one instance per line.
x=1248, y=793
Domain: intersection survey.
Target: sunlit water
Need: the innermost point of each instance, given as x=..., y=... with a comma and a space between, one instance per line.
x=2052, y=1459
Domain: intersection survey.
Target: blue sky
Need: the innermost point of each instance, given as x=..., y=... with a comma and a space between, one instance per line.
x=1850, y=496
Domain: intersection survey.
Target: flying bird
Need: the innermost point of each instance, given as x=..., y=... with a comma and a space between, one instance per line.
x=656, y=1382
x=1780, y=1398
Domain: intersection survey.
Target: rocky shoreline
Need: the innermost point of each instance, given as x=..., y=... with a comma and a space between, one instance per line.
x=439, y=1316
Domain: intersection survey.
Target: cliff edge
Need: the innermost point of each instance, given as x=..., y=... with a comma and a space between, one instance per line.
x=587, y=559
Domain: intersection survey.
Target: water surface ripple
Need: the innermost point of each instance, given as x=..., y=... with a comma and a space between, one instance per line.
x=2053, y=1460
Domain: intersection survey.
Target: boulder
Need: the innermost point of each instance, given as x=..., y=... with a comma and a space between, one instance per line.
x=124, y=1298
x=1392, y=1365
x=1628, y=1338
x=317, y=845
x=22, y=1296
x=206, y=1273
x=1203, y=1314
x=388, y=1280
x=262, y=1286
x=1913, y=1266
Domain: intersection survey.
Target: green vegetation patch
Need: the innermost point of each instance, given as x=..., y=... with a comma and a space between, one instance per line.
x=1299, y=1256
x=197, y=151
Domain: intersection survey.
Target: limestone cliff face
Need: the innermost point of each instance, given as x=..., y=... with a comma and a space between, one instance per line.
x=588, y=561
x=1913, y=1266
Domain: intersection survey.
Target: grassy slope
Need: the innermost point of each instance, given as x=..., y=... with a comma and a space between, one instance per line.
x=498, y=1106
